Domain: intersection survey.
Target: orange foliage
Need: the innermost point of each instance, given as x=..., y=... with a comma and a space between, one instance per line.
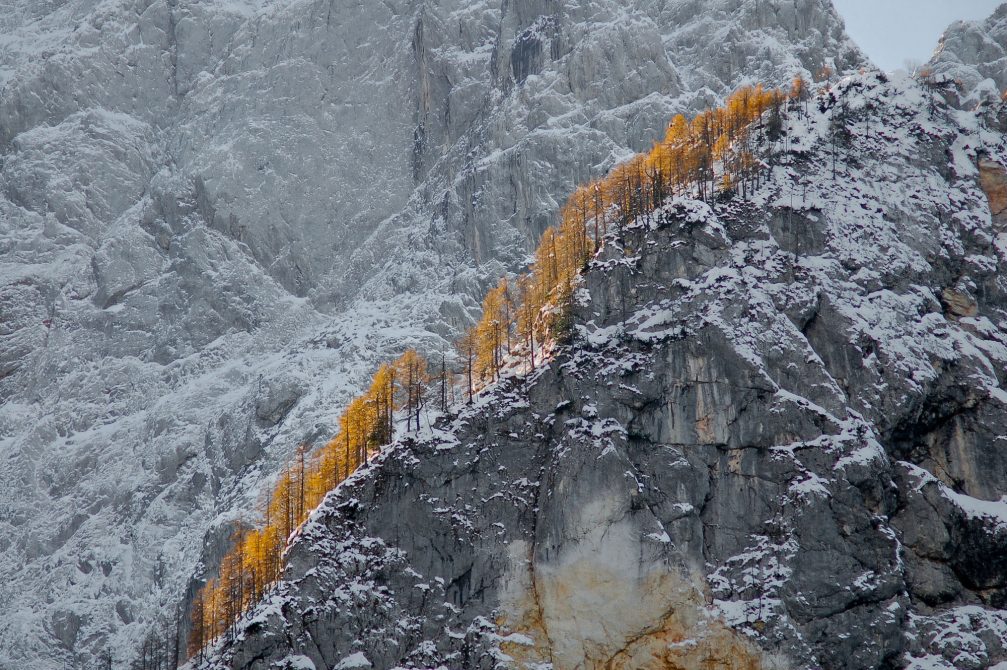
x=715, y=149
x=255, y=560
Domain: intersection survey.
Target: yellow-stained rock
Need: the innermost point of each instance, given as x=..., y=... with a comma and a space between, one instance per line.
x=993, y=179
x=610, y=600
x=959, y=303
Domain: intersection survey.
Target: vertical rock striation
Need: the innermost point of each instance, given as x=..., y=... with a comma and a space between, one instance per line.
x=215, y=217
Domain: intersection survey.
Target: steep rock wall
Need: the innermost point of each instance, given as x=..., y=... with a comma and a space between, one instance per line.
x=216, y=217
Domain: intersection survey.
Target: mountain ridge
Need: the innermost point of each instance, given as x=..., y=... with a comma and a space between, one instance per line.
x=830, y=354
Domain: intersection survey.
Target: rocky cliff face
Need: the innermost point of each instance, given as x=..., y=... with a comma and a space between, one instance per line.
x=974, y=53
x=214, y=217
x=775, y=441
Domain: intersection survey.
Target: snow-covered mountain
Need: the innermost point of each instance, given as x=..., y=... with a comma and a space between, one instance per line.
x=774, y=441
x=215, y=217
x=974, y=53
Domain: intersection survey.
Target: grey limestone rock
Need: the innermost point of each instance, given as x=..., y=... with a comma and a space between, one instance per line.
x=766, y=445
x=974, y=54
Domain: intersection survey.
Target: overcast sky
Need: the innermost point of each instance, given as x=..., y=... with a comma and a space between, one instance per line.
x=891, y=31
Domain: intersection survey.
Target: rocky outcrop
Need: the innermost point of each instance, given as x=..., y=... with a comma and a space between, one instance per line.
x=767, y=445
x=974, y=55
x=959, y=302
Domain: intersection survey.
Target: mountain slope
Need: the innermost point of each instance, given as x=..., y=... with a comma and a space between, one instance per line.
x=215, y=217
x=773, y=442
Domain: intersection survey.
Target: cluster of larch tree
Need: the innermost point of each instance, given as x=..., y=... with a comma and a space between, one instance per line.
x=714, y=153
x=255, y=560
x=161, y=648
